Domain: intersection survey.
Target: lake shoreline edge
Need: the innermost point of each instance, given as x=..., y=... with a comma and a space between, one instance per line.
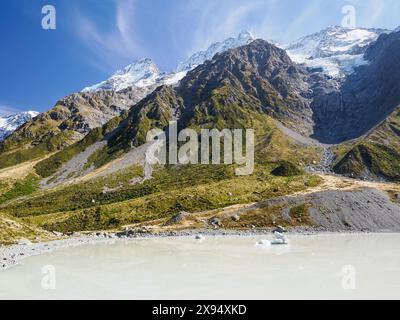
x=12, y=255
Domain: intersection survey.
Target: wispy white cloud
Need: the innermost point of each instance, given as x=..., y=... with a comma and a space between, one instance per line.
x=111, y=47
x=376, y=13
x=5, y=110
x=375, y=9
x=185, y=27
x=220, y=19
x=309, y=12
x=125, y=11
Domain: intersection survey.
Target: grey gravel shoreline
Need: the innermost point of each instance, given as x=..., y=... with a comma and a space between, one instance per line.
x=12, y=255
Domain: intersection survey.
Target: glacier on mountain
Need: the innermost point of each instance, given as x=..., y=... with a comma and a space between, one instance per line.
x=335, y=50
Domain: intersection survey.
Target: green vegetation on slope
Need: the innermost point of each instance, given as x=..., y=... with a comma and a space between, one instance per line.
x=267, y=216
x=287, y=169
x=21, y=188
x=88, y=206
x=34, y=151
x=155, y=111
x=377, y=159
x=378, y=153
x=50, y=165
x=12, y=230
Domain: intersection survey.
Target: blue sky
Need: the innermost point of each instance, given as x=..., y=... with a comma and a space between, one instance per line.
x=96, y=37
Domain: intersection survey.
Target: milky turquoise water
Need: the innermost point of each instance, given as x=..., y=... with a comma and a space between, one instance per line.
x=311, y=267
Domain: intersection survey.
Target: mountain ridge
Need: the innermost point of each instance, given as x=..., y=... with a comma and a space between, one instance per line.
x=293, y=94
x=144, y=75
x=144, y=72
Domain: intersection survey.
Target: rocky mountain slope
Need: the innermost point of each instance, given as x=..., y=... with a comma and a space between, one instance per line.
x=67, y=122
x=241, y=88
x=336, y=51
x=9, y=124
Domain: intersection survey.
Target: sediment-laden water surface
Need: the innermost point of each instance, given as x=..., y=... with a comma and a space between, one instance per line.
x=362, y=266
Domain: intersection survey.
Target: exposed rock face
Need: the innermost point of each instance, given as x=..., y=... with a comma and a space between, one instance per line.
x=367, y=109
x=235, y=87
x=84, y=111
x=263, y=77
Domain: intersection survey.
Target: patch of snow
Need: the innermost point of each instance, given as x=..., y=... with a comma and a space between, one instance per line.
x=174, y=78
x=200, y=57
x=141, y=73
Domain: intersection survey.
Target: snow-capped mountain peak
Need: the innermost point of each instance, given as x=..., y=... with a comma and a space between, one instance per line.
x=244, y=37
x=335, y=50
x=145, y=74
x=141, y=69
x=9, y=124
x=141, y=73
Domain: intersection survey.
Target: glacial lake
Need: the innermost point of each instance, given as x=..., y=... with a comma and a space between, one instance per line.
x=359, y=266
